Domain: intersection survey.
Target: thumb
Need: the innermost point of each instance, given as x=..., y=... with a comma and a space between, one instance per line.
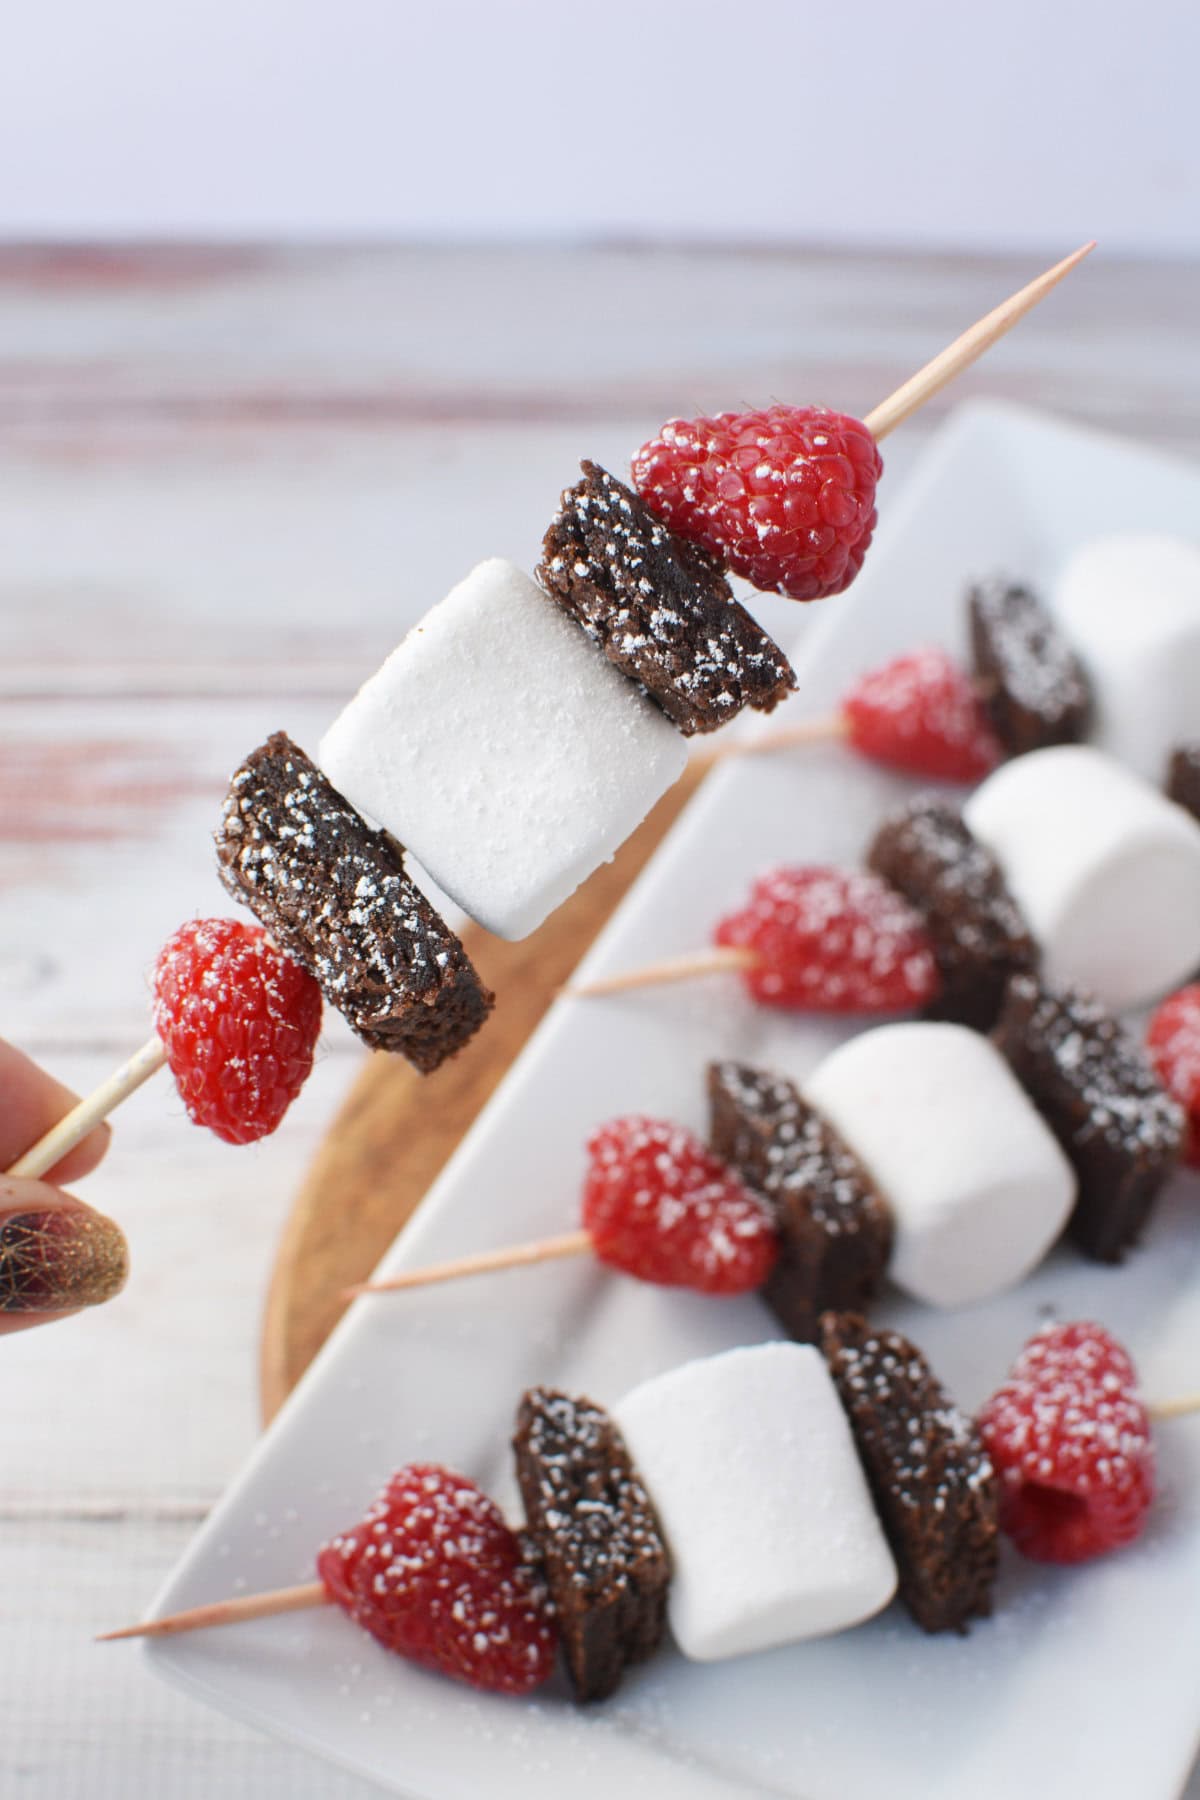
x=56, y=1254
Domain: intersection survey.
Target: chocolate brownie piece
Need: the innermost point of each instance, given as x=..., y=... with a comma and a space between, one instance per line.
x=933, y=1484
x=659, y=607
x=1183, y=778
x=835, y=1231
x=334, y=894
x=1087, y=1075
x=979, y=936
x=1034, y=688
x=597, y=1537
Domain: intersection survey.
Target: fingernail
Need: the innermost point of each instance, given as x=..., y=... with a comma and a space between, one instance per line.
x=58, y=1258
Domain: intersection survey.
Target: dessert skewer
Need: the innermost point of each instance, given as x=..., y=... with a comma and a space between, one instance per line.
x=1061, y=1122
x=628, y=1513
x=429, y=1000
x=1062, y=858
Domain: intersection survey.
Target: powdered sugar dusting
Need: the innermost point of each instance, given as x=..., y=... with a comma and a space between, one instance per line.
x=658, y=607
x=921, y=713
x=435, y=1574
x=1068, y=1426
x=337, y=897
x=832, y=940
x=1035, y=689
x=661, y=1207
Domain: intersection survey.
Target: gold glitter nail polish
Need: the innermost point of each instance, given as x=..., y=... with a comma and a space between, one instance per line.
x=55, y=1259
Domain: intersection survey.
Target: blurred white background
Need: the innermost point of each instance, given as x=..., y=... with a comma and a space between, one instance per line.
x=933, y=122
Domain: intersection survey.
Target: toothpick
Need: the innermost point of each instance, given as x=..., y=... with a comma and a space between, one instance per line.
x=227, y=1612
x=83, y=1118
x=827, y=730
x=720, y=960
x=513, y=1256
x=966, y=349
x=1174, y=1409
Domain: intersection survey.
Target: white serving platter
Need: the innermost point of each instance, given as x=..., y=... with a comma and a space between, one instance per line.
x=1085, y=1681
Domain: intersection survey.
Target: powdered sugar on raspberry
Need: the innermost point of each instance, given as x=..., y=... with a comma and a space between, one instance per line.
x=238, y=1021
x=785, y=495
x=1173, y=1041
x=832, y=940
x=921, y=713
x=435, y=1574
x=1070, y=1439
x=660, y=1206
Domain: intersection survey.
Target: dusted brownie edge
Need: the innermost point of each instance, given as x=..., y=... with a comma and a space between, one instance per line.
x=597, y=1537
x=1034, y=688
x=979, y=937
x=659, y=607
x=931, y=1479
x=835, y=1230
x=334, y=894
x=1089, y=1078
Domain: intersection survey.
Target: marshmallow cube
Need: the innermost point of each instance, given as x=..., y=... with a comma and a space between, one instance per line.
x=750, y=1463
x=502, y=749
x=1131, y=607
x=1104, y=868
x=976, y=1181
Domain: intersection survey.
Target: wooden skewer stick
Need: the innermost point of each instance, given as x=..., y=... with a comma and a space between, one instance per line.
x=966, y=349
x=721, y=959
x=83, y=1118
x=512, y=1256
x=227, y=1612
x=826, y=730
x=1174, y=1409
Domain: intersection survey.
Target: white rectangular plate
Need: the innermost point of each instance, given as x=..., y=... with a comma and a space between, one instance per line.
x=1085, y=1680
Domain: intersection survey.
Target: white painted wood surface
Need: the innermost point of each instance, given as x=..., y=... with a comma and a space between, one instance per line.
x=228, y=481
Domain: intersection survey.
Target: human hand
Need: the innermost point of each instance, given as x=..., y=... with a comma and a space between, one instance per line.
x=56, y=1254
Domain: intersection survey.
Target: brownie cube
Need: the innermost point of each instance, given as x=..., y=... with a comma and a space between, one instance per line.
x=1094, y=1086
x=597, y=1537
x=334, y=894
x=933, y=1484
x=979, y=937
x=659, y=607
x=1183, y=778
x=1034, y=688
x=835, y=1230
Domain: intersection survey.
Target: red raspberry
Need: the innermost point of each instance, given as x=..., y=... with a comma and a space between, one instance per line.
x=435, y=1574
x=921, y=713
x=238, y=1022
x=1173, y=1040
x=785, y=496
x=659, y=1206
x=1070, y=1440
x=832, y=940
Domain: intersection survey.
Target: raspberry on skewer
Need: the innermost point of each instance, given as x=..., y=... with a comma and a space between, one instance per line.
x=656, y=1205
x=433, y=1572
x=1173, y=1040
x=812, y=939
x=785, y=496
x=236, y=1020
x=1069, y=1437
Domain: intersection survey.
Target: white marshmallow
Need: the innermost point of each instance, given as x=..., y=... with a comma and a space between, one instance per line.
x=1104, y=868
x=752, y=1469
x=501, y=747
x=975, y=1179
x=1131, y=607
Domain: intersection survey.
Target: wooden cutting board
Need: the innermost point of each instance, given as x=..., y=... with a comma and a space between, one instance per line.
x=397, y=1128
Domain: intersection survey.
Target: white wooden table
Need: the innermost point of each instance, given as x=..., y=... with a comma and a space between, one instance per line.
x=228, y=481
